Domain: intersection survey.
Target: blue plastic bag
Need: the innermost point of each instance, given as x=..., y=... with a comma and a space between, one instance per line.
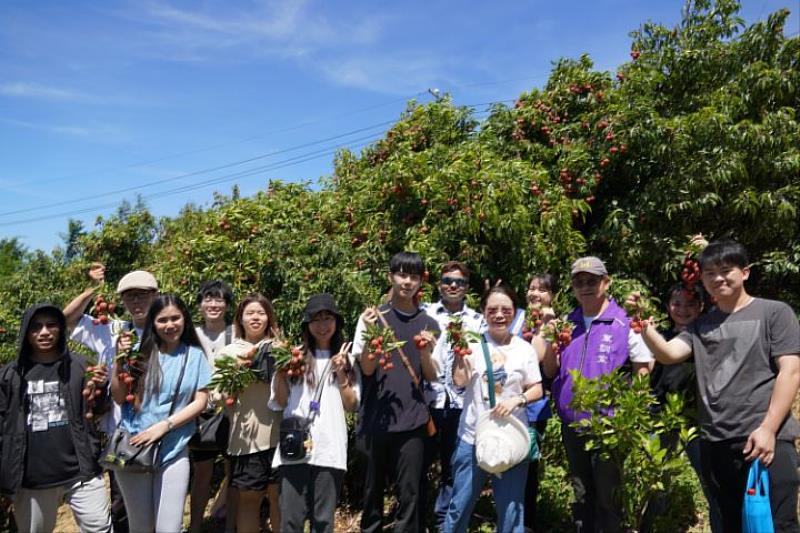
x=756, y=511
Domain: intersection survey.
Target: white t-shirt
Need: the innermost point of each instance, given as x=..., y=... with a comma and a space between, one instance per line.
x=100, y=339
x=329, y=427
x=638, y=352
x=515, y=367
x=212, y=346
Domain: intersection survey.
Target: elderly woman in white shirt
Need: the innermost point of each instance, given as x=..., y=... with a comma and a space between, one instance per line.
x=517, y=382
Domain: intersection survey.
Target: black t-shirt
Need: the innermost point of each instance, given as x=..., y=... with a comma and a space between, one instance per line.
x=390, y=401
x=678, y=378
x=50, y=458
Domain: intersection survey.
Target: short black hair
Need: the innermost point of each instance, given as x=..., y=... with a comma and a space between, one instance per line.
x=546, y=281
x=500, y=288
x=406, y=262
x=452, y=266
x=216, y=288
x=723, y=252
x=696, y=291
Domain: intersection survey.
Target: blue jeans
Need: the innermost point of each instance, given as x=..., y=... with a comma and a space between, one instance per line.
x=440, y=446
x=468, y=481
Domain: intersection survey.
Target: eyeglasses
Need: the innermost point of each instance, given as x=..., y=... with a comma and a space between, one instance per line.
x=459, y=282
x=132, y=295
x=587, y=282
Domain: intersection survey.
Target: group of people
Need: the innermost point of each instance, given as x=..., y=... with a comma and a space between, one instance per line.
x=422, y=400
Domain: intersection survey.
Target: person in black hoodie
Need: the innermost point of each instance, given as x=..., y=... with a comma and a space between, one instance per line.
x=48, y=448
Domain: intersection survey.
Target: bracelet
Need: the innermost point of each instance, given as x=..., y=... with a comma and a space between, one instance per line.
x=524, y=400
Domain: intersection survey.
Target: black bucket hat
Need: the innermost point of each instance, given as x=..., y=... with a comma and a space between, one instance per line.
x=322, y=302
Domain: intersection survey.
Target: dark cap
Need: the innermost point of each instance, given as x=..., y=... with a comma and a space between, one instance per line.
x=590, y=265
x=318, y=303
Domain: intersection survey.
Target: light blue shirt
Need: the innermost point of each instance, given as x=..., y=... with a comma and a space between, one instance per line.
x=437, y=392
x=156, y=408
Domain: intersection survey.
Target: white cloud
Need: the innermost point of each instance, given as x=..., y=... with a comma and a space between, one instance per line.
x=74, y=131
x=393, y=74
x=264, y=27
x=36, y=90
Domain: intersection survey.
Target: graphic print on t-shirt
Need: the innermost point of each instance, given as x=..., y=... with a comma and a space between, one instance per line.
x=47, y=406
x=498, y=371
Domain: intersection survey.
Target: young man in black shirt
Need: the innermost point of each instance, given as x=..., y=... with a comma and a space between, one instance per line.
x=393, y=415
x=48, y=448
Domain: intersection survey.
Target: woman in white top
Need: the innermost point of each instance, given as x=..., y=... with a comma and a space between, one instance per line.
x=310, y=486
x=517, y=382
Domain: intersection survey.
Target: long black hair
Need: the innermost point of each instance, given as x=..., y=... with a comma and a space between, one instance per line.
x=337, y=340
x=152, y=343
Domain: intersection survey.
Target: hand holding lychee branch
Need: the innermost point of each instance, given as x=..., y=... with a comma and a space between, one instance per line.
x=233, y=375
x=129, y=364
x=425, y=340
x=535, y=318
x=459, y=338
x=380, y=342
x=558, y=334
x=96, y=378
x=289, y=361
x=103, y=309
x=642, y=311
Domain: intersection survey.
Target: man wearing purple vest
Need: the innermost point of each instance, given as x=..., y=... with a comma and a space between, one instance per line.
x=602, y=342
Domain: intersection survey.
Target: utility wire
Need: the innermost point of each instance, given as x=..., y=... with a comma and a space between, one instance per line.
x=220, y=145
x=195, y=173
x=324, y=152
x=186, y=188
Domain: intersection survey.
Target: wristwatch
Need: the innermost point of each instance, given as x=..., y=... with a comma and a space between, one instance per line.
x=170, y=425
x=524, y=400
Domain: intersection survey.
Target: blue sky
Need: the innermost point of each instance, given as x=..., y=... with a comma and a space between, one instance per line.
x=148, y=96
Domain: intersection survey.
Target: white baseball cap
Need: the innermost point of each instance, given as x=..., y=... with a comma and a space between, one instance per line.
x=138, y=279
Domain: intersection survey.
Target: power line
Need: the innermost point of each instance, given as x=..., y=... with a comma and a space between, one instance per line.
x=186, y=188
x=220, y=145
x=194, y=173
x=302, y=158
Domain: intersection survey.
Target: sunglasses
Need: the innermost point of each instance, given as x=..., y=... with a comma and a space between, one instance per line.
x=458, y=281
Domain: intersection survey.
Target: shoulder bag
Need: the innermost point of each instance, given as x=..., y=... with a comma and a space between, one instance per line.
x=120, y=455
x=295, y=440
x=213, y=424
x=517, y=444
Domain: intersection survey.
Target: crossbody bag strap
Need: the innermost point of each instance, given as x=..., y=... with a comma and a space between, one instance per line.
x=489, y=370
x=314, y=406
x=403, y=358
x=228, y=335
x=178, y=384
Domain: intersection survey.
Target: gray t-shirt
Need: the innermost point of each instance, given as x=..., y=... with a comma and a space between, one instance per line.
x=734, y=358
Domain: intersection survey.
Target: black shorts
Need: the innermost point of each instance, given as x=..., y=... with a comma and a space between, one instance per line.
x=253, y=471
x=198, y=456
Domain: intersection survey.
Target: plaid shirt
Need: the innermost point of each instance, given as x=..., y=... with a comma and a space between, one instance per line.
x=435, y=393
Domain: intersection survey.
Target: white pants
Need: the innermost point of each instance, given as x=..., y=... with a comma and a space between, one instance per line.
x=155, y=501
x=36, y=510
